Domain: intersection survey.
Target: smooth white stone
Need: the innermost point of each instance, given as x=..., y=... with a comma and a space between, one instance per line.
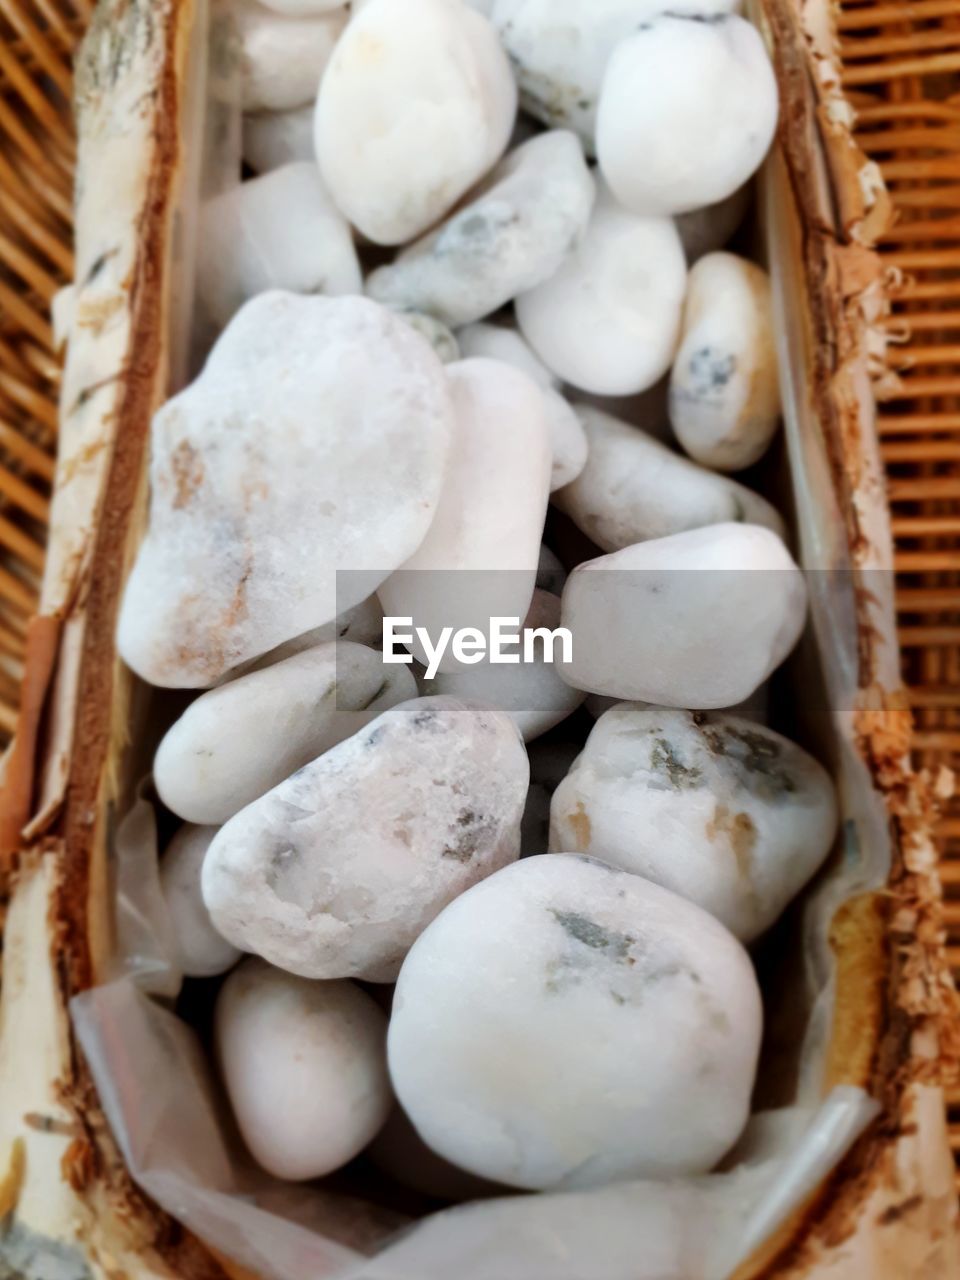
x=361, y=624
x=479, y=559
x=282, y=57
x=567, y=439
x=315, y=439
x=609, y=320
x=634, y=488
x=713, y=118
x=724, y=389
x=400, y=1152
x=565, y=1024
x=439, y=335
x=532, y=693
x=511, y=236
x=716, y=808
x=275, y=138
x=697, y=620
x=560, y=50
x=706, y=230
x=304, y=1067
x=551, y=575
x=281, y=231
x=200, y=951
x=237, y=741
x=335, y=872
x=416, y=106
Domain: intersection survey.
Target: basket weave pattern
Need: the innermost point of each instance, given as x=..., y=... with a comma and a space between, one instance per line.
x=901, y=73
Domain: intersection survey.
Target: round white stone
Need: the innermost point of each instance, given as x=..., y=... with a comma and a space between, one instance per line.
x=565, y=1025
x=479, y=559
x=687, y=112
x=282, y=56
x=315, y=440
x=281, y=231
x=237, y=741
x=336, y=871
x=200, y=951
x=724, y=390
x=706, y=230
x=532, y=693
x=716, y=808
x=560, y=50
x=698, y=619
x=304, y=1067
x=510, y=237
x=567, y=439
x=634, y=488
x=417, y=104
x=609, y=320
x=275, y=138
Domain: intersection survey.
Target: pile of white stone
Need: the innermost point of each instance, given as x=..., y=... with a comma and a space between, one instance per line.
x=587, y=1012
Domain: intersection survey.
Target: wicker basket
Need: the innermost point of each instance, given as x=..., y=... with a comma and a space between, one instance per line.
x=888, y=1212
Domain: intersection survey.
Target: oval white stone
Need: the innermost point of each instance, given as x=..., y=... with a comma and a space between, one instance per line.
x=511, y=236
x=634, y=488
x=336, y=871
x=715, y=112
x=724, y=390
x=304, y=1067
x=565, y=1024
x=716, y=808
x=280, y=231
x=532, y=693
x=237, y=741
x=560, y=50
x=416, y=106
x=479, y=559
x=282, y=56
x=200, y=951
x=698, y=619
x=567, y=440
x=608, y=321
x=268, y=476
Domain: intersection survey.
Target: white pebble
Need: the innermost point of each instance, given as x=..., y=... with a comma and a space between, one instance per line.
x=560, y=50
x=687, y=112
x=275, y=138
x=416, y=106
x=567, y=440
x=565, y=1024
x=490, y=521
x=698, y=619
x=532, y=693
x=200, y=951
x=279, y=466
x=724, y=390
x=634, y=488
x=336, y=871
x=282, y=56
x=706, y=230
x=237, y=741
x=510, y=237
x=716, y=808
x=609, y=320
x=304, y=1067
x=281, y=231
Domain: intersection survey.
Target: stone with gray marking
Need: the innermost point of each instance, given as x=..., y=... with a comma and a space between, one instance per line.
x=719, y=809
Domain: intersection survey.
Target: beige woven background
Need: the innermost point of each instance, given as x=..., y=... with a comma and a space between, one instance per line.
x=902, y=73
